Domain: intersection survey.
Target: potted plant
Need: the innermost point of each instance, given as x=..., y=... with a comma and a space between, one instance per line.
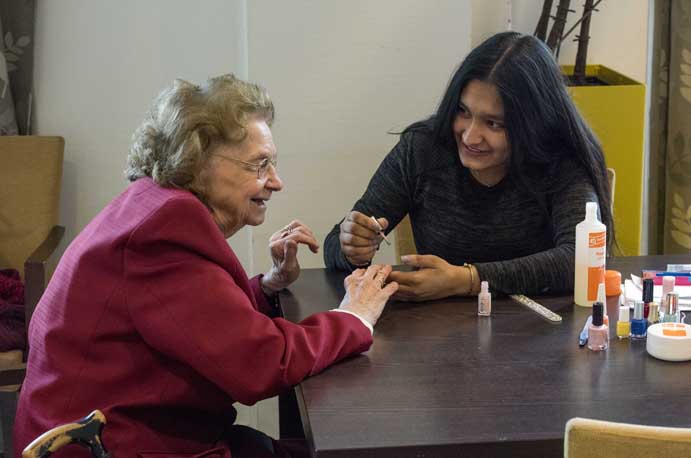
x=613, y=104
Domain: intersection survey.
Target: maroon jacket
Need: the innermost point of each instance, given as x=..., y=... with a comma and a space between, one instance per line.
x=151, y=318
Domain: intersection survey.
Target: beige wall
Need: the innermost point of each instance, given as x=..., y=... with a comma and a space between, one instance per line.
x=343, y=74
x=99, y=64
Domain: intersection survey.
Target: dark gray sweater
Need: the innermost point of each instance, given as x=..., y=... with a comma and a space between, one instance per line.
x=519, y=241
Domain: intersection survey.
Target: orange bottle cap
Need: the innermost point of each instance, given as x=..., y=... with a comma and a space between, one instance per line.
x=612, y=282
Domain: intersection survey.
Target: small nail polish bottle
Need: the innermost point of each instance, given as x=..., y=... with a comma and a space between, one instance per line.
x=672, y=313
x=639, y=324
x=598, y=333
x=668, y=283
x=623, y=325
x=484, y=300
x=653, y=313
x=647, y=296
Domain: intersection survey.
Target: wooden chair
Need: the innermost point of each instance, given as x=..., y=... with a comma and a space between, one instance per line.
x=31, y=176
x=404, y=242
x=585, y=438
x=612, y=178
x=85, y=432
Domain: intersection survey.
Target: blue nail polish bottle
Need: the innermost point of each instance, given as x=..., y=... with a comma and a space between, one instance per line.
x=639, y=325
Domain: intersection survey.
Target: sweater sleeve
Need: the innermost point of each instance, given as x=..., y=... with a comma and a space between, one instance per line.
x=549, y=271
x=389, y=195
x=191, y=308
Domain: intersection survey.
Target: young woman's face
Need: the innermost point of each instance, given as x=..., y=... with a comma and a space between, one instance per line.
x=480, y=133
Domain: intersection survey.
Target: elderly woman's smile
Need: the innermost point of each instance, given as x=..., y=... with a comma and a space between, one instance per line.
x=241, y=178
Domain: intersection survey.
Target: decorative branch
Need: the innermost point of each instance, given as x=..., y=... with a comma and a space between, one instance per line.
x=554, y=39
x=543, y=23
x=565, y=36
x=582, y=38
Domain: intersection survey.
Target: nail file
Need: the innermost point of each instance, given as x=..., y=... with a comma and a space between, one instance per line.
x=537, y=308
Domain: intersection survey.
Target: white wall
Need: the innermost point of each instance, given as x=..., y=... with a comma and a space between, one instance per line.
x=342, y=74
x=98, y=66
x=618, y=31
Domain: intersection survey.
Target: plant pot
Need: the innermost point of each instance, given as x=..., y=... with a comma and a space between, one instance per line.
x=616, y=113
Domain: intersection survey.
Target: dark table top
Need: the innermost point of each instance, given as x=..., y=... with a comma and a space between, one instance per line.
x=440, y=381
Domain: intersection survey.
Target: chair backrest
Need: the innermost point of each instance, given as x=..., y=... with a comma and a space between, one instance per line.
x=31, y=176
x=585, y=438
x=612, y=179
x=404, y=242
x=85, y=432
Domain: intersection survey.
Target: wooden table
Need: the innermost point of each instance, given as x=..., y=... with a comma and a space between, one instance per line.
x=440, y=381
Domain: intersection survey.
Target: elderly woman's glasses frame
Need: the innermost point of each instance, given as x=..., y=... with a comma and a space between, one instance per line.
x=262, y=168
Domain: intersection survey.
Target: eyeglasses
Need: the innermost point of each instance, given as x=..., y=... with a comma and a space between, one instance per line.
x=262, y=168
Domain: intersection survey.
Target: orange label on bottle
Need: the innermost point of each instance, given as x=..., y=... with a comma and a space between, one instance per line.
x=596, y=239
x=596, y=275
x=674, y=329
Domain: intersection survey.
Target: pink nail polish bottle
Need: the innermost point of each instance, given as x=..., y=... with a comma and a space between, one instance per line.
x=598, y=332
x=484, y=300
x=667, y=287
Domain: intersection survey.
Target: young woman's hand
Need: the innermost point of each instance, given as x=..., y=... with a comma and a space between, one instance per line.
x=360, y=237
x=435, y=279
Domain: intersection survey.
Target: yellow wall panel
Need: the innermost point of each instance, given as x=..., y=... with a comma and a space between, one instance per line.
x=616, y=114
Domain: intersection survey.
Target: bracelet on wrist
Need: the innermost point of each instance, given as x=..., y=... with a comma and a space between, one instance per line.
x=472, y=278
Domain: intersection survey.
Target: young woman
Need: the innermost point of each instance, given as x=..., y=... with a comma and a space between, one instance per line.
x=494, y=182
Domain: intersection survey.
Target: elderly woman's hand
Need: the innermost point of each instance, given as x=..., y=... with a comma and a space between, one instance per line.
x=360, y=237
x=366, y=294
x=283, y=246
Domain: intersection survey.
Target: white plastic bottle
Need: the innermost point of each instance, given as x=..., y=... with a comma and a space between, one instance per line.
x=591, y=243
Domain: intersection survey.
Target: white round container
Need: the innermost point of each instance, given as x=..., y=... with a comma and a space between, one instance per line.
x=669, y=341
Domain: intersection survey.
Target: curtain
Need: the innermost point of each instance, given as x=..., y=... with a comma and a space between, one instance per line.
x=17, y=18
x=669, y=184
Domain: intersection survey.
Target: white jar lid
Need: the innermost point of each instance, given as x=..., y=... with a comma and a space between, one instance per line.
x=669, y=341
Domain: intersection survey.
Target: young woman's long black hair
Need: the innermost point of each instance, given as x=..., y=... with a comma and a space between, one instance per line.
x=543, y=125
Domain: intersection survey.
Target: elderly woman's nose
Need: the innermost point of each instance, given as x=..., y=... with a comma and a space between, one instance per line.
x=274, y=181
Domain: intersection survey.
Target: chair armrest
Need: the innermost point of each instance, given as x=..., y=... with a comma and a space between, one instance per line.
x=13, y=376
x=35, y=270
x=47, y=248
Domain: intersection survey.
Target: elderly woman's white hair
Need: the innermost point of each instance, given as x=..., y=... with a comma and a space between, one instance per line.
x=173, y=143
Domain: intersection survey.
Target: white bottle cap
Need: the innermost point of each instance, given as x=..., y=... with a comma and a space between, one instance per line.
x=484, y=287
x=591, y=211
x=601, y=293
x=624, y=313
x=667, y=284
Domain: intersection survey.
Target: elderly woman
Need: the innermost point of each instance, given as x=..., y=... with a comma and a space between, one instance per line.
x=151, y=318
